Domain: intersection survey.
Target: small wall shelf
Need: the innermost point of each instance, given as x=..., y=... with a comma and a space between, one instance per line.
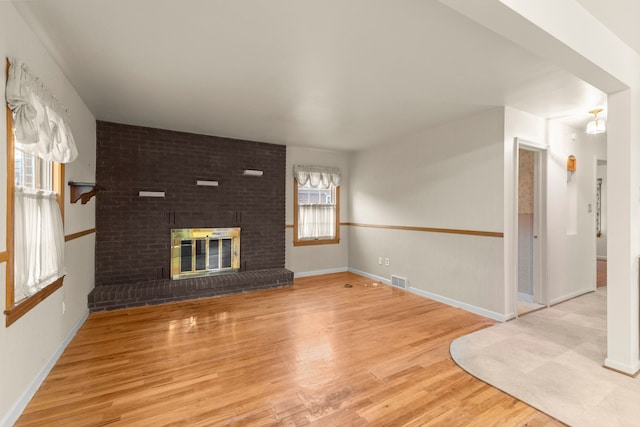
x=82, y=191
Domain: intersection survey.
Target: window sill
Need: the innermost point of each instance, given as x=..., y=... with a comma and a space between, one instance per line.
x=19, y=310
x=316, y=242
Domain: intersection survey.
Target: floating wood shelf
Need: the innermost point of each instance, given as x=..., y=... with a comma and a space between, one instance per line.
x=82, y=191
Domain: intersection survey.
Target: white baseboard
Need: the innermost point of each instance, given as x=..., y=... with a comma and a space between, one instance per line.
x=570, y=296
x=14, y=413
x=508, y=316
x=458, y=304
x=321, y=272
x=370, y=276
x=454, y=303
x=622, y=367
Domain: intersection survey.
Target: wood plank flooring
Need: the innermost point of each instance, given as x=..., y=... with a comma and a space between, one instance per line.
x=316, y=353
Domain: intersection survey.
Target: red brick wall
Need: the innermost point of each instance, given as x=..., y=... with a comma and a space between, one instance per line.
x=133, y=233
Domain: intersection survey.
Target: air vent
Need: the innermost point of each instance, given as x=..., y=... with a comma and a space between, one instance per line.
x=399, y=282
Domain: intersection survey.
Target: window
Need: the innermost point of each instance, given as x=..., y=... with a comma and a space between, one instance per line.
x=38, y=240
x=39, y=141
x=32, y=171
x=316, y=206
x=36, y=191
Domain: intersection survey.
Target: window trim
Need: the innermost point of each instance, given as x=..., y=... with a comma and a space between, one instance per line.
x=298, y=242
x=15, y=311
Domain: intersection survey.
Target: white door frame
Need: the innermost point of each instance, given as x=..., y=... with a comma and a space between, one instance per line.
x=540, y=220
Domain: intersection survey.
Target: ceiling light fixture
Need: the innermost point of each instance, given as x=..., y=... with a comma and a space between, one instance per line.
x=596, y=126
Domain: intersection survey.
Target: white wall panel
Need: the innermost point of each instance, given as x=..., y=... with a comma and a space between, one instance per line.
x=467, y=269
x=31, y=344
x=571, y=235
x=449, y=177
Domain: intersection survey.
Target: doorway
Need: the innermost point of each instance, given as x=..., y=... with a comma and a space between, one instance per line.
x=530, y=194
x=601, y=223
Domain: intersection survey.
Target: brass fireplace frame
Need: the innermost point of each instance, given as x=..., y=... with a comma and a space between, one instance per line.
x=206, y=235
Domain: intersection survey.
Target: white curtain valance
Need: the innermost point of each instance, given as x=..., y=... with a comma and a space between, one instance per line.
x=317, y=176
x=40, y=122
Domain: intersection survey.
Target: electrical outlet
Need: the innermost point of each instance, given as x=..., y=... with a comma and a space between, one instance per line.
x=379, y=260
x=64, y=307
x=386, y=262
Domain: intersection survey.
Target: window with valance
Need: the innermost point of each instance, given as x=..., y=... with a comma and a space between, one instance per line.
x=39, y=143
x=316, y=205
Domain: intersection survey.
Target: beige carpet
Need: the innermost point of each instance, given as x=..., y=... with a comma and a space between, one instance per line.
x=552, y=359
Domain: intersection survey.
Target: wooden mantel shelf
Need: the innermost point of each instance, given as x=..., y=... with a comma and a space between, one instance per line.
x=82, y=191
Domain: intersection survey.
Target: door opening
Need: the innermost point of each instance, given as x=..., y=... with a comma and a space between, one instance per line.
x=529, y=287
x=601, y=223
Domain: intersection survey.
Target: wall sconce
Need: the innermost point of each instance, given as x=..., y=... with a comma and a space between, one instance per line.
x=252, y=172
x=596, y=126
x=207, y=183
x=571, y=164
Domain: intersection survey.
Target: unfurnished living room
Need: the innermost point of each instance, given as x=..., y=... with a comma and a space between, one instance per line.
x=323, y=213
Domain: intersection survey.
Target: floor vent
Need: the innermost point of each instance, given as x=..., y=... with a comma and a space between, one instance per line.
x=399, y=282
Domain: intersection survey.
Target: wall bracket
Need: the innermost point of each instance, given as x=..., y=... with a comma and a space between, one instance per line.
x=82, y=191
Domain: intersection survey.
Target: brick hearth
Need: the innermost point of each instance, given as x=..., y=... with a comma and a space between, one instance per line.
x=161, y=291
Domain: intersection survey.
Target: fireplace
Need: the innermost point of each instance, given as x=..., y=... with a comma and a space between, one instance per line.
x=197, y=252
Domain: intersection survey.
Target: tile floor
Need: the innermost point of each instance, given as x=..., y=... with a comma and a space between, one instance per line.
x=552, y=359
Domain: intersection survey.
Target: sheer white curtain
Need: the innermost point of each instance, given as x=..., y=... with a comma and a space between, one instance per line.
x=40, y=127
x=39, y=241
x=318, y=220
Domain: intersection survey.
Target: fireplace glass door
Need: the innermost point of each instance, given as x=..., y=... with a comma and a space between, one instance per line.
x=205, y=254
x=197, y=252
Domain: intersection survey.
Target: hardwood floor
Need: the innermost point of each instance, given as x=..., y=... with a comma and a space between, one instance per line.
x=316, y=353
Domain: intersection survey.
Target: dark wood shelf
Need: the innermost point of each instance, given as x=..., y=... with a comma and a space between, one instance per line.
x=82, y=191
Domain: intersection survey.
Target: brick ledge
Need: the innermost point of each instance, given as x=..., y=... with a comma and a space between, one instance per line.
x=110, y=297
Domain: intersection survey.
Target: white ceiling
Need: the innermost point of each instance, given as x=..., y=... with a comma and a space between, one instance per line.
x=335, y=74
x=620, y=16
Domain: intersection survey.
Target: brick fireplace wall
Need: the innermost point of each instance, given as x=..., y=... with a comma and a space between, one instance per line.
x=133, y=233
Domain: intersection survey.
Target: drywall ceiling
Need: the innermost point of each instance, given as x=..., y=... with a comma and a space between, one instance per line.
x=332, y=74
x=620, y=16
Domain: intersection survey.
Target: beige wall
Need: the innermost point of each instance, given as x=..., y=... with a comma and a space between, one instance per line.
x=571, y=236
x=317, y=259
x=31, y=345
x=443, y=177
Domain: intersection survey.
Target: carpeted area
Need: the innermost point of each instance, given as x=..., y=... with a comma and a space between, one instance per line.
x=552, y=359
